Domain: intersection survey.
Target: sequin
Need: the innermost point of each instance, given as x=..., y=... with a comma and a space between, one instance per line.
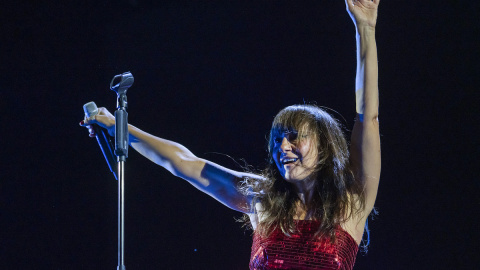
x=302, y=251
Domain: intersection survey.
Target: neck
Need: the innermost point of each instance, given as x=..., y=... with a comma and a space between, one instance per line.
x=305, y=190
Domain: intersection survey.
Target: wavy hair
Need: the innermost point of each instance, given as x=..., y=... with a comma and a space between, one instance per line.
x=337, y=195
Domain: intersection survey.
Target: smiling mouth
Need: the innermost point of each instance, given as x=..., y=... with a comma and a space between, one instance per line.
x=289, y=161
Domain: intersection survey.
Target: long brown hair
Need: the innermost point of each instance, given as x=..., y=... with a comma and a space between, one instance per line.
x=337, y=194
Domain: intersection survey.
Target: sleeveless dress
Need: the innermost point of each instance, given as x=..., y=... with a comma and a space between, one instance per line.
x=301, y=251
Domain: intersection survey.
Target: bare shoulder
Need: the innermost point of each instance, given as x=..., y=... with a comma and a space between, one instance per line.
x=256, y=216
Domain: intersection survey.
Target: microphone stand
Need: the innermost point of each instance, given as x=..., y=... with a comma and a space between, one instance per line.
x=120, y=84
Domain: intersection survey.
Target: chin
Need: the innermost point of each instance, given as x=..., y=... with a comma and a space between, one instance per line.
x=292, y=178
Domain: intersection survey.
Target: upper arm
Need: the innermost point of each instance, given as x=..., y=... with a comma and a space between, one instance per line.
x=365, y=157
x=218, y=182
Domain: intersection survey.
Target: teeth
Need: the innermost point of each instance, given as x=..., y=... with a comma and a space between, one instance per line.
x=289, y=160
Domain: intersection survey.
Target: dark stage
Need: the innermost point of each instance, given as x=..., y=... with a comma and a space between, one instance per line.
x=211, y=75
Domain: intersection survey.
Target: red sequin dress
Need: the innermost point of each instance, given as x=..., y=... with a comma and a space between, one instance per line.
x=301, y=251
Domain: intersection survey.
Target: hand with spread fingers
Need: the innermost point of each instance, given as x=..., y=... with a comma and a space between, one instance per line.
x=104, y=119
x=363, y=12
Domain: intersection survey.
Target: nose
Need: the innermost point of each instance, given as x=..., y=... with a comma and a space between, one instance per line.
x=286, y=145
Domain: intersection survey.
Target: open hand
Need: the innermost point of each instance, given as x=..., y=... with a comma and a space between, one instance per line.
x=363, y=12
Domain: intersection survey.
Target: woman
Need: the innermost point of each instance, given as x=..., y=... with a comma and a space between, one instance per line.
x=310, y=206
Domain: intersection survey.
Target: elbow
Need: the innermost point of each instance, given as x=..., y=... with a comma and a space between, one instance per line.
x=186, y=166
x=367, y=118
x=374, y=118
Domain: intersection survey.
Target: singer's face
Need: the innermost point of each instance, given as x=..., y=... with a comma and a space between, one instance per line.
x=295, y=154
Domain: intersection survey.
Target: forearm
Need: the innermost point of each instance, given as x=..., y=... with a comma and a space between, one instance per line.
x=171, y=155
x=366, y=82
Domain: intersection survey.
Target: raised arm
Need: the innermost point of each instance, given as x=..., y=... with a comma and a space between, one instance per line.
x=212, y=179
x=365, y=143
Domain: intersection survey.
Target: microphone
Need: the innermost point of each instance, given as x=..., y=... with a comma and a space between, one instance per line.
x=104, y=140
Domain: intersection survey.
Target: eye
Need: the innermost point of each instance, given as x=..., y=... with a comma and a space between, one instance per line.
x=293, y=136
x=277, y=139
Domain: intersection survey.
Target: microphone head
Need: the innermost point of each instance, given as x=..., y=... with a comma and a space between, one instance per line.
x=120, y=83
x=90, y=109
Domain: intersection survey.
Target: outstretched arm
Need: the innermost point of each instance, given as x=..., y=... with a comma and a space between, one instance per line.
x=365, y=144
x=213, y=179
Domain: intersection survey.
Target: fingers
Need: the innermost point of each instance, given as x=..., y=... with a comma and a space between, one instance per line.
x=91, y=132
x=352, y=3
x=104, y=112
x=366, y=2
x=87, y=122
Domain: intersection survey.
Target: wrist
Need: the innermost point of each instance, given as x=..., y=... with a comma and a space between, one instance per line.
x=365, y=30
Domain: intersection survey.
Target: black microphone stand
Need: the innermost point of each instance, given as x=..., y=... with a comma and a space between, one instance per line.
x=120, y=84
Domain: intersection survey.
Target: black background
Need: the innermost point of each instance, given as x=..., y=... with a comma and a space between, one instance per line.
x=211, y=75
